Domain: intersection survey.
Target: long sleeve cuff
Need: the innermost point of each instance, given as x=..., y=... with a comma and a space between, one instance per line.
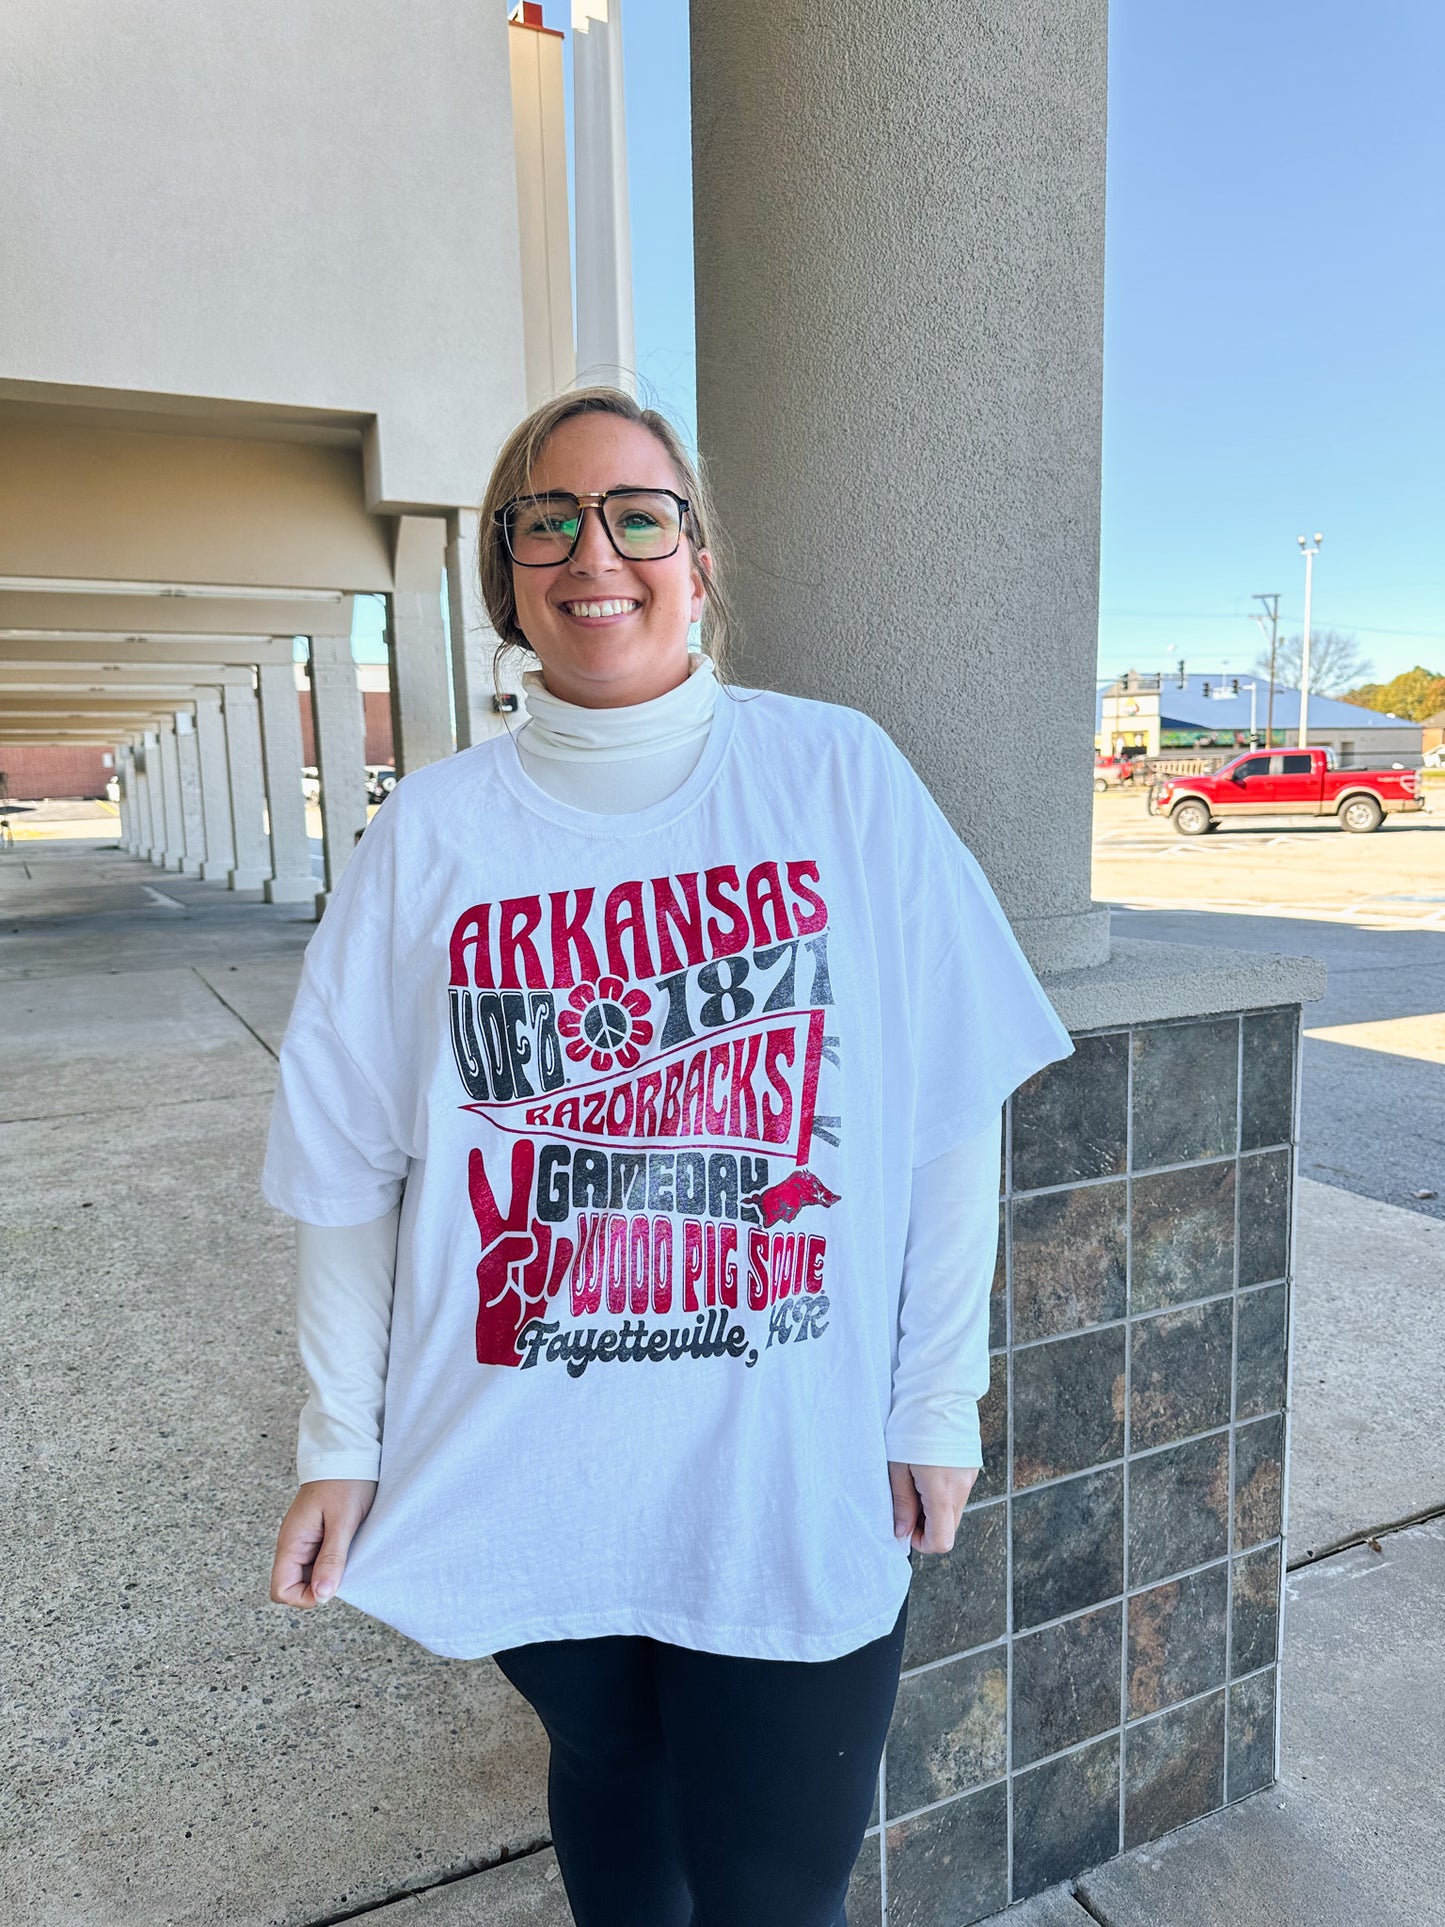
x=345, y=1280
x=941, y=1370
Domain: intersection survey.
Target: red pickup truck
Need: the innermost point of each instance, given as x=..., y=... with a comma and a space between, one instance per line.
x=1301, y=782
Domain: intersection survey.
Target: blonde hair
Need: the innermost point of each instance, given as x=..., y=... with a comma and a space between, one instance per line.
x=512, y=476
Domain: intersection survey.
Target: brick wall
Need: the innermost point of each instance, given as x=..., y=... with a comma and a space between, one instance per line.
x=59, y=770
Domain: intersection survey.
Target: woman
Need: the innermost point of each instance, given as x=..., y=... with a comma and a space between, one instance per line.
x=640, y=1109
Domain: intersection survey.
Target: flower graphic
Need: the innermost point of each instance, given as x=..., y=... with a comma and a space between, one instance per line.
x=606, y=1022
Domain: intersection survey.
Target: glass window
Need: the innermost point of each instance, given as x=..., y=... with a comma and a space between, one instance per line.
x=1253, y=766
x=1296, y=765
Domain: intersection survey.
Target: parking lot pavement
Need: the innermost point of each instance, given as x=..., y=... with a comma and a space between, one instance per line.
x=1285, y=866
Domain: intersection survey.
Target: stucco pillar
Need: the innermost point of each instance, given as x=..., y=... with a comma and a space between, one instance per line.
x=420, y=672
x=291, y=879
x=220, y=857
x=470, y=633
x=172, y=854
x=144, y=765
x=606, y=340
x=247, y=786
x=899, y=219
x=193, y=822
x=124, y=807
x=339, y=730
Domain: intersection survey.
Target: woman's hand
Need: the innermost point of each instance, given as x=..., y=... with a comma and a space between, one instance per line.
x=928, y=1501
x=315, y=1538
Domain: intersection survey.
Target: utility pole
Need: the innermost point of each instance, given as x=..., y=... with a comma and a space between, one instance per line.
x=1304, y=667
x=1271, y=602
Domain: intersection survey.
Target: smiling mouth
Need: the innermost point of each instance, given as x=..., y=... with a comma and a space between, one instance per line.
x=592, y=611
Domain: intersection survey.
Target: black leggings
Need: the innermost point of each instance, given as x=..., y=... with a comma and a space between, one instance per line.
x=693, y=1789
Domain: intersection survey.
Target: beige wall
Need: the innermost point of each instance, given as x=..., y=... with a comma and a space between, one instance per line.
x=99, y=504
x=291, y=201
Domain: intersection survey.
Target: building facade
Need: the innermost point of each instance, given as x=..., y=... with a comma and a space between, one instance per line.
x=1159, y=715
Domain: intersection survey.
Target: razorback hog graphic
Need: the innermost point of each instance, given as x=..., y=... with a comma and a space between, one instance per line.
x=781, y=1203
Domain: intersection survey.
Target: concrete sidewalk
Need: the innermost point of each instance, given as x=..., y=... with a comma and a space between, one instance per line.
x=178, y=1751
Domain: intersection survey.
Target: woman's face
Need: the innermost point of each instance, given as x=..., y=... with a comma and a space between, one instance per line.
x=637, y=649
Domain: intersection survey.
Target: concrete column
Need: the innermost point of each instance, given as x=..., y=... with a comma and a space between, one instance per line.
x=474, y=641
x=899, y=220
x=124, y=808
x=339, y=730
x=193, y=822
x=606, y=342
x=420, y=672
x=172, y=854
x=539, y=140
x=145, y=766
x=215, y=787
x=248, y=788
x=291, y=879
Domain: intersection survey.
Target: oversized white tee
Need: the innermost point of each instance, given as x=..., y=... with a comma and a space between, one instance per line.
x=651, y=1089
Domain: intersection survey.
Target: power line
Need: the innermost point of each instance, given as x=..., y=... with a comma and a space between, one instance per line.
x=1237, y=615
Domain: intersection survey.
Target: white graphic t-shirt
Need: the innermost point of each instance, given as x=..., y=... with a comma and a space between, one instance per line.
x=654, y=1086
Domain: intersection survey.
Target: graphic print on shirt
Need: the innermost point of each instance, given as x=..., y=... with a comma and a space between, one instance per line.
x=654, y=1055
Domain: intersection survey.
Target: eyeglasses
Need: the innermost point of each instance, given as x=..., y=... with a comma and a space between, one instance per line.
x=642, y=524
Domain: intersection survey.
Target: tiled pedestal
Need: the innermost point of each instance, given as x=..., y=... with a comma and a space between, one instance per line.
x=1094, y=1663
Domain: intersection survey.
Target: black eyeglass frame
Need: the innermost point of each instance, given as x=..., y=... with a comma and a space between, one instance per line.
x=585, y=502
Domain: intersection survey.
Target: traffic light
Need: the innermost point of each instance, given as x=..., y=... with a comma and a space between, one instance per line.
x=1207, y=691
x=1234, y=685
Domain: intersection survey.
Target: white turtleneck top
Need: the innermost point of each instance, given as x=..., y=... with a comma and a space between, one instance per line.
x=612, y=761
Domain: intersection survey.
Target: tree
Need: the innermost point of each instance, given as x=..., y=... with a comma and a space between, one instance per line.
x=1336, y=662
x=1417, y=693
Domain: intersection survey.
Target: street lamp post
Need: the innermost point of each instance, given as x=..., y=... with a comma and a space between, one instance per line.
x=1304, y=668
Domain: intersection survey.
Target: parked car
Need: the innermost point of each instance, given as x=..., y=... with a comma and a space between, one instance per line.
x=1112, y=771
x=380, y=782
x=1293, y=783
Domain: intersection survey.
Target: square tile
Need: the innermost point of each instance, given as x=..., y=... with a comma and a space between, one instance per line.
x=1070, y=1253
x=992, y=1481
x=1066, y=1684
x=1068, y=1547
x=1070, y=1121
x=949, y=1731
x=1267, y=1112
x=949, y=1868
x=1258, y=1480
x=1183, y=1226
x=1178, y=1634
x=998, y=1290
x=865, y=1887
x=1066, y=1816
x=1264, y=1217
x=1173, y=1769
x=1186, y=1088
x=1068, y=1405
x=1179, y=1377
x=1263, y=1351
x=1251, y=1735
x=1178, y=1509
x=1254, y=1636
x=959, y=1599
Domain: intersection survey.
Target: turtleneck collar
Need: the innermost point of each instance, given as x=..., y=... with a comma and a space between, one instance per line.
x=566, y=732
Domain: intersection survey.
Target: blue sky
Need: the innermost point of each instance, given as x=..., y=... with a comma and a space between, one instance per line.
x=1275, y=302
